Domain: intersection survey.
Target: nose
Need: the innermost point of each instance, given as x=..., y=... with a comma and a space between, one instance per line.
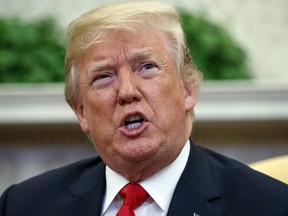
x=128, y=89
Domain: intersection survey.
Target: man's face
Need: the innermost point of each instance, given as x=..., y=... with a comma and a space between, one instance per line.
x=133, y=104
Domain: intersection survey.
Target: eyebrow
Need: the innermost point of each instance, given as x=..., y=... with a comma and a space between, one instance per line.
x=100, y=65
x=135, y=55
x=142, y=53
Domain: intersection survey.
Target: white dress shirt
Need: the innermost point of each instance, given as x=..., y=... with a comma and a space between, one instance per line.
x=160, y=187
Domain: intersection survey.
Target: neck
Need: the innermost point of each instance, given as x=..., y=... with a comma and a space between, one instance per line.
x=137, y=171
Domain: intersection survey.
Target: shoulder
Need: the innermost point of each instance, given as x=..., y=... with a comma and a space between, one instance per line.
x=228, y=170
x=238, y=183
x=67, y=174
x=51, y=187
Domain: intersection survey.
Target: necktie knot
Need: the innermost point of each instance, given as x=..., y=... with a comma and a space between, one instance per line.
x=134, y=195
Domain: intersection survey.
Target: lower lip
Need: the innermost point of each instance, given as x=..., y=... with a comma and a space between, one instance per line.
x=134, y=132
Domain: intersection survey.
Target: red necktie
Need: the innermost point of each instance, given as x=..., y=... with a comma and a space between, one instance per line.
x=134, y=195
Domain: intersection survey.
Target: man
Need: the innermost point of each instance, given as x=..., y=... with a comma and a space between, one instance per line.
x=133, y=87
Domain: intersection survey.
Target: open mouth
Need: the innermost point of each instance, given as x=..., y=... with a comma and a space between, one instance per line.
x=133, y=122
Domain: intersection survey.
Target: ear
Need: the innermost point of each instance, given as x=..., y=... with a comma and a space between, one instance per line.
x=78, y=109
x=190, y=98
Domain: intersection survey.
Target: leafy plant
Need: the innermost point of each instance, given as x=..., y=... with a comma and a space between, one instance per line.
x=213, y=50
x=34, y=51
x=30, y=51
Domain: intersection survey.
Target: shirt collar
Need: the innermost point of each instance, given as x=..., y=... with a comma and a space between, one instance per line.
x=163, y=181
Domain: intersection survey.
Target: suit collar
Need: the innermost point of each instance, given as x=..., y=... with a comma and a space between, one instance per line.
x=195, y=192
x=196, y=189
x=87, y=194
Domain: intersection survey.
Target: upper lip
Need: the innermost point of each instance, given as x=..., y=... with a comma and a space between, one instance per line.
x=135, y=113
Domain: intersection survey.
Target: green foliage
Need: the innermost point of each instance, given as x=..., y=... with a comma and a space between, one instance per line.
x=30, y=51
x=34, y=51
x=213, y=50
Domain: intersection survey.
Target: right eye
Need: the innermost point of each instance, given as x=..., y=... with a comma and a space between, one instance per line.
x=103, y=76
x=103, y=79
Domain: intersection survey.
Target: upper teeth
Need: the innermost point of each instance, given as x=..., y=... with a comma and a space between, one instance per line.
x=134, y=118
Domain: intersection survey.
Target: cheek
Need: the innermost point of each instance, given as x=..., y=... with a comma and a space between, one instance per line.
x=168, y=100
x=99, y=108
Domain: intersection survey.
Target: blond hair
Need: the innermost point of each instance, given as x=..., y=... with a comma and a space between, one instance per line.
x=92, y=27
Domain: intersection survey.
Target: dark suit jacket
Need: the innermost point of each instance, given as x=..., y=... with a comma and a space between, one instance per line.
x=211, y=184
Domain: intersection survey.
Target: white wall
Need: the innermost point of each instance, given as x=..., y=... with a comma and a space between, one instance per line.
x=261, y=26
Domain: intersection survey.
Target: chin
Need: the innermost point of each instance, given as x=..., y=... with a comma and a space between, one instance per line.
x=139, y=149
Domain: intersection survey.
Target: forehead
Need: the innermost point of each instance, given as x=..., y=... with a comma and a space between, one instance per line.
x=128, y=44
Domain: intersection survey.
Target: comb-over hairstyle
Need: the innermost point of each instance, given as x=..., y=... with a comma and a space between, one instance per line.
x=93, y=26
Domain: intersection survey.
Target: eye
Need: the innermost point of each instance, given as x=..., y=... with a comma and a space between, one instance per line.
x=148, y=66
x=103, y=79
x=102, y=76
x=147, y=70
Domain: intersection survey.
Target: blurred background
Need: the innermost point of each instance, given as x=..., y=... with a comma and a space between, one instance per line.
x=241, y=47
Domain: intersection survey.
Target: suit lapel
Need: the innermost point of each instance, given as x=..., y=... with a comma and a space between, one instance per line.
x=88, y=194
x=196, y=190
x=195, y=194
